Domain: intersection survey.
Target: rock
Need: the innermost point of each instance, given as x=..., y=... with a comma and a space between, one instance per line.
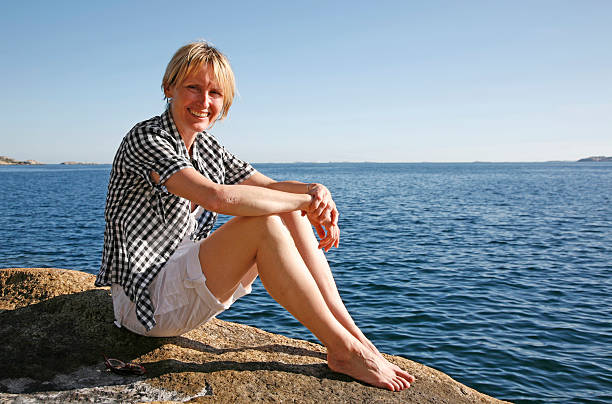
x=55, y=327
x=9, y=161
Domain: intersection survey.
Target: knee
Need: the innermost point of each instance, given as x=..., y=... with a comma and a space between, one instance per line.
x=273, y=226
x=273, y=223
x=266, y=227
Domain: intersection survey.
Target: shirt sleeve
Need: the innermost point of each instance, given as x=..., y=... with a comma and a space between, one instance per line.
x=236, y=170
x=150, y=148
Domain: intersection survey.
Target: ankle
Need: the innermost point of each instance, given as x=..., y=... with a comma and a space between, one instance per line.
x=345, y=350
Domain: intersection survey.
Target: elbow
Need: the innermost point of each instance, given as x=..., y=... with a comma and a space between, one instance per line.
x=218, y=200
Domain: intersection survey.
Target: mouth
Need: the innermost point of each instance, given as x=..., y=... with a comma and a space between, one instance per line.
x=198, y=114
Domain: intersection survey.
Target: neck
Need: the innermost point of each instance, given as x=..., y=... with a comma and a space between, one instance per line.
x=188, y=136
x=188, y=140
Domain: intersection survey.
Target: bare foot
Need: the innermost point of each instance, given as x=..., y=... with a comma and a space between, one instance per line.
x=369, y=345
x=363, y=364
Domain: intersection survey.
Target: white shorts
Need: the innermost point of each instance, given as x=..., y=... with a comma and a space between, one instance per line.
x=179, y=294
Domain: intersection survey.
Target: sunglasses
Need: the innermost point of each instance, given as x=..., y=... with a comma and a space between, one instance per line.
x=122, y=368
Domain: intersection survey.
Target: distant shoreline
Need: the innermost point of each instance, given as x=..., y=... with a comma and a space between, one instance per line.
x=13, y=162
x=9, y=161
x=596, y=159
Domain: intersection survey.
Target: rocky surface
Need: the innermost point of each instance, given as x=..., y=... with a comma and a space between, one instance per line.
x=9, y=161
x=55, y=327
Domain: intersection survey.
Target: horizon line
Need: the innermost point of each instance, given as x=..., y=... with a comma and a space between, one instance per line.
x=339, y=162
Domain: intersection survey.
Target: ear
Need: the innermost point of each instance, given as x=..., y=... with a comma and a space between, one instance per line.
x=168, y=92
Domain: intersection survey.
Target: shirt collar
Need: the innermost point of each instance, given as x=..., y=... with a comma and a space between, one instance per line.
x=167, y=123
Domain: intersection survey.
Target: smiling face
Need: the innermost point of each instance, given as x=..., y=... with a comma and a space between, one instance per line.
x=196, y=102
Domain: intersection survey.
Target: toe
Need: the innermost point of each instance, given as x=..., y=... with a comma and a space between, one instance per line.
x=406, y=383
x=406, y=375
x=402, y=383
x=388, y=386
x=395, y=385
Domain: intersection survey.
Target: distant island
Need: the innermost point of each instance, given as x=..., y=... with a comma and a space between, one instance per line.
x=595, y=158
x=77, y=163
x=9, y=161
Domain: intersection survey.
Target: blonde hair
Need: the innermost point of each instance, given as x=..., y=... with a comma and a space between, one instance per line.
x=194, y=56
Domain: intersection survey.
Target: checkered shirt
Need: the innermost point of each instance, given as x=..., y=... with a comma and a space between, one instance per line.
x=144, y=222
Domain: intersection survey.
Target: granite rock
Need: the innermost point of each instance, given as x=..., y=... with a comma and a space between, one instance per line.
x=9, y=161
x=56, y=326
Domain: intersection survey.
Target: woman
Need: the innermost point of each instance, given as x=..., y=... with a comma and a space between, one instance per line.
x=169, y=180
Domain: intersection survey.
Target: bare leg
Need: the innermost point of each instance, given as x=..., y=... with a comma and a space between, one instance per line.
x=231, y=251
x=317, y=264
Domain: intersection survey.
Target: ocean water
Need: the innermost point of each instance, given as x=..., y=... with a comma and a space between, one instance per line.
x=497, y=274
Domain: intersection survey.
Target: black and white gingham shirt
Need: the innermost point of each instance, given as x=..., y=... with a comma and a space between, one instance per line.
x=144, y=222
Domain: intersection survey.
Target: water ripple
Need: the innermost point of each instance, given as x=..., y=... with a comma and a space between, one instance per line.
x=497, y=274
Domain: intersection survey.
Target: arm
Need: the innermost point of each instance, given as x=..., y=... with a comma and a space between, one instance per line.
x=325, y=207
x=260, y=180
x=324, y=216
x=244, y=200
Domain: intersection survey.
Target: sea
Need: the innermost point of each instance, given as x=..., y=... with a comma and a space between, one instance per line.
x=497, y=274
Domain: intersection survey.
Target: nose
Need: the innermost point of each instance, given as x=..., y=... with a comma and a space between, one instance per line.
x=205, y=98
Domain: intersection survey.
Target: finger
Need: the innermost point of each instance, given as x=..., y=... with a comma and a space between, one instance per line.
x=320, y=231
x=323, y=245
x=321, y=208
x=326, y=242
x=332, y=239
x=336, y=236
x=338, y=239
x=334, y=216
x=323, y=219
x=315, y=201
x=326, y=214
x=329, y=242
x=314, y=205
x=327, y=246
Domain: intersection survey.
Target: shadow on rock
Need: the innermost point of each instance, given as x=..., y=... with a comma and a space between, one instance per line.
x=64, y=333
x=272, y=348
x=318, y=370
x=69, y=334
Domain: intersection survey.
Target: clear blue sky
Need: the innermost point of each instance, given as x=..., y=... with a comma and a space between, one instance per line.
x=319, y=81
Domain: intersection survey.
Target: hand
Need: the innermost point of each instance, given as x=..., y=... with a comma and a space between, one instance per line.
x=322, y=208
x=323, y=215
x=332, y=239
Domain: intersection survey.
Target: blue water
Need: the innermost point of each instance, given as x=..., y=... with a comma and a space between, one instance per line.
x=496, y=274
